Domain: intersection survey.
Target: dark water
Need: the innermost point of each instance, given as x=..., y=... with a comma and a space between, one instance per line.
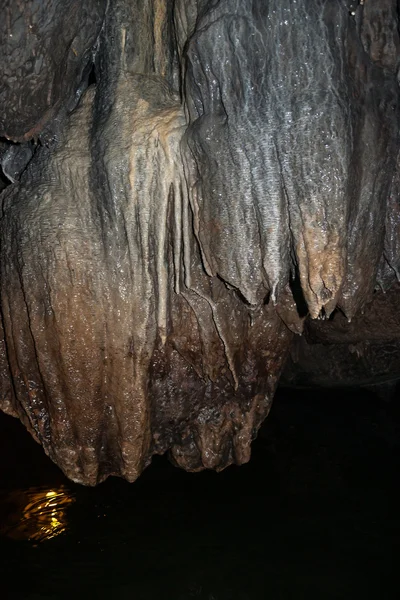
x=314, y=515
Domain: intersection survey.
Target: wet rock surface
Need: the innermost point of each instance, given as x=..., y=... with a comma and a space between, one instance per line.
x=46, y=46
x=233, y=169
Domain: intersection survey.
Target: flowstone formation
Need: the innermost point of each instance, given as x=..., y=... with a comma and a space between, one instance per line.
x=188, y=181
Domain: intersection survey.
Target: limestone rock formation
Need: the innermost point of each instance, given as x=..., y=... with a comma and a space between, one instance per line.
x=189, y=180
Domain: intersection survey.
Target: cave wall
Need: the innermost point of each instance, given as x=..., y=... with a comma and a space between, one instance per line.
x=233, y=164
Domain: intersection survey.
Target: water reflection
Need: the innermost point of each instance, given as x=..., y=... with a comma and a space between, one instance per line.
x=36, y=514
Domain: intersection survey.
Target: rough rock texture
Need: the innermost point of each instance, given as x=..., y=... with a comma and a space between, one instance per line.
x=113, y=357
x=235, y=164
x=46, y=45
x=294, y=117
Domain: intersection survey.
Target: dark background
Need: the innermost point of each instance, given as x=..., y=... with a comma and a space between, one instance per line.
x=315, y=514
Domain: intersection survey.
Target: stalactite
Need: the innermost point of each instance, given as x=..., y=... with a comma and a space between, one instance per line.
x=233, y=168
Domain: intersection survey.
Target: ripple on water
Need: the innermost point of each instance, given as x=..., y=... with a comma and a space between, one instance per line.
x=35, y=514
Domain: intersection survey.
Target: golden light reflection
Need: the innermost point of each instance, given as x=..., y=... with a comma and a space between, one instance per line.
x=36, y=514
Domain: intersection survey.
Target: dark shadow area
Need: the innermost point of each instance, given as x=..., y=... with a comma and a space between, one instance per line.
x=298, y=296
x=313, y=515
x=4, y=182
x=92, y=79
